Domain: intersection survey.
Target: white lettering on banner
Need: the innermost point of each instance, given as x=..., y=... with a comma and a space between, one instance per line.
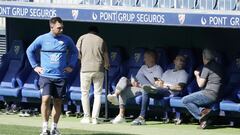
x=150, y=18
x=108, y=16
x=129, y=17
x=217, y=20
x=203, y=21
x=4, y=10
x=35, y=12
x=125, y=17
x=235, y=21
x=19, y=11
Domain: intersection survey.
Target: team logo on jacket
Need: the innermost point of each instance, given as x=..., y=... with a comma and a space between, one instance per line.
x=113, y=56
x=181, y=18
x=61, y=42
x=75, y=14
x=137, y=57
x=54, y=58
x=16, y=49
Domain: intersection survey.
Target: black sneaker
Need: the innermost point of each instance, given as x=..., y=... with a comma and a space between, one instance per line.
x=55, y=131
x=150, y=89
x=46, y=132
x=139, y=121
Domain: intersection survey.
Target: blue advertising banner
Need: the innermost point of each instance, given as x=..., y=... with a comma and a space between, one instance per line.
x=123, y=17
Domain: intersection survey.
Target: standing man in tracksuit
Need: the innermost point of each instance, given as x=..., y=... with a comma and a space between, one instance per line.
x=58, y=56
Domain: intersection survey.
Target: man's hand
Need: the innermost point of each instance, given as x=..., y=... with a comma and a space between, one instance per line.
x=197, y=73
x=159, y=83
x=134, y=84
x=68, y=69
x=38, y=70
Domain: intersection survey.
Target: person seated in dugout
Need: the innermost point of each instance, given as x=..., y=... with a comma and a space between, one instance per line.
x=210, y=80
x=170, y=83
x=132, y=87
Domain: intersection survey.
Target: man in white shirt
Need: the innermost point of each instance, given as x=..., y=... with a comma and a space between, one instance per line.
x=128, y=88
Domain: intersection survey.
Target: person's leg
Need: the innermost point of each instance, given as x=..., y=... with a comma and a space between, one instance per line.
x=56, y=112
x=121, y=85
x=125, y=94
x=145, y=103
x=58, y=92
x=194, y=101
x=145, y=99
x=85, y=87
x=98, y=78
x=45, y=109
x=45, y=87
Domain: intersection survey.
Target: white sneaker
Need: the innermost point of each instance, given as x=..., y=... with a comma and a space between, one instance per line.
x=113, y=99
x=85, y=120
x=95, y=121
x=119, y=119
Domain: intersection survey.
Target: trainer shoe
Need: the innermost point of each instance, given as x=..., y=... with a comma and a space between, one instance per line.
x=85, y=120
x=205, y=113
x=119, y=119
x=150, y=89
x=55, y=131
x=95, y=121
x=139, y=121
x=45, y=132
x=113, y=99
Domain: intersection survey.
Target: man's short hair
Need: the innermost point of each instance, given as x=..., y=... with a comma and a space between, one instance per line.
x=184, y=58
x=93, y=29
x=208, y=54
x=152, y=53
x=54, y=20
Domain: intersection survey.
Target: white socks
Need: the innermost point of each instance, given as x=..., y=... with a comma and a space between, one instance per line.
x=54, y=126
x=45, y=126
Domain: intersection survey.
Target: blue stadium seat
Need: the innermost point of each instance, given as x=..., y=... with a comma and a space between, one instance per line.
x=117, y=2
x=167, y=3
x=128, y=3
x=163, y=60
x=148, y=3
x=133, y=65
x=115, y=70
x=207, y=4
x=186, y=4
x=231, y=102
x=104, y=2
x=11, y=66
x=28, y=81
x=95, y=2
x=226, y=4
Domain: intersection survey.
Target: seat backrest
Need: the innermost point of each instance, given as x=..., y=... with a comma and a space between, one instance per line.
x=186, y=4
x=166, y=3
x=15, y=58
x=135, y=61
x=163, y=60
x=75, y=85
x=32, y=81
x=190, y=61
x=115, y=62
x=207, y=4
x=148, y=3
x=226, y=4
x=234, y=72
x=117, y=2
